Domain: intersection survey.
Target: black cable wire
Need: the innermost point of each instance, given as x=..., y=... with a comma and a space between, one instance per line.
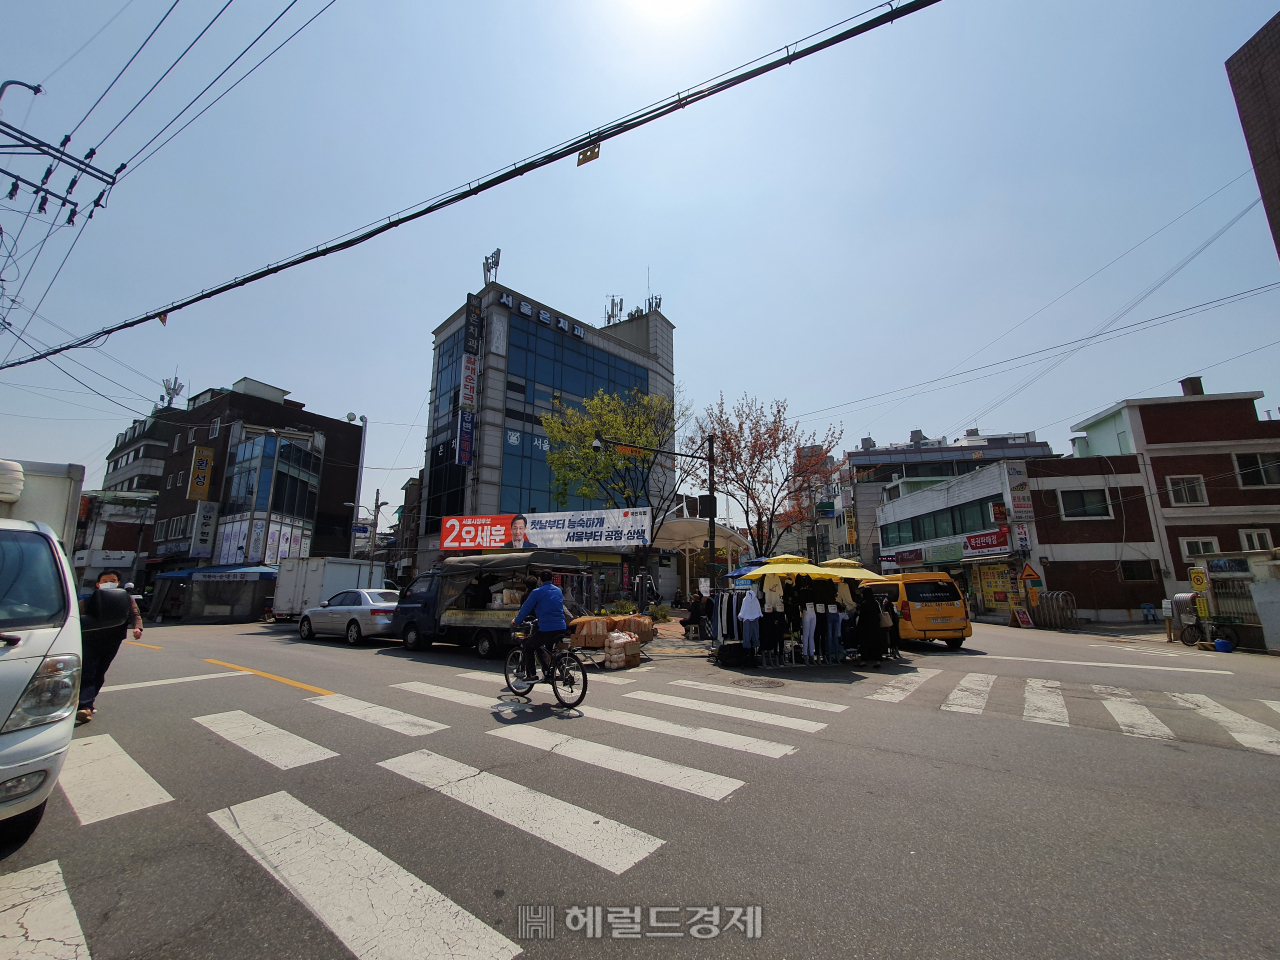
x=178, y=116
x=128, y=3
x=123, y=69
x=4, y=317
x=220, y=12
x=591, y=138
x=223, y=93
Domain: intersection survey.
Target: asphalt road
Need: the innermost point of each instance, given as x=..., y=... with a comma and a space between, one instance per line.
x=899, y=813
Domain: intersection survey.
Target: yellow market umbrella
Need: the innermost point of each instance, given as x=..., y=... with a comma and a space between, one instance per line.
x=790, y=568
x=850, y=569
x=786, y=558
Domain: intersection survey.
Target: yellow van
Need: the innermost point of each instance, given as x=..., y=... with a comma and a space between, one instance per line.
x=930, y=607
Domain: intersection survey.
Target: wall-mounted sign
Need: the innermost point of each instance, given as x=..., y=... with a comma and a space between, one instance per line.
x=999, y=514
x=202, y=534
x=1020, y=505
x=507, y=300
x=466, y=436
x=579, y=331
x=470, y=380
x=474, y=326
x=575, y=529
x=201, y=474
x=1199, y=579
x=253, y=554
x=944, y=552
x=986, y=544
x=1022, y=536
x=909, y=556
x=544, y=316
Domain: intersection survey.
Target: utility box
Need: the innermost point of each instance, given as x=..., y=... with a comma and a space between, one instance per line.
x=305, y=581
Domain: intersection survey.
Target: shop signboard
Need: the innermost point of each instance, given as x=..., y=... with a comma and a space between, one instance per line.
x=851, y=524
x=1022, y=536
x=231, y=576
x=474, y=326
x=470, y=380
x=1024, y=618
x=909, y=556
x=571, y=530
x=256, y=538
x=466, y=436
x=201, y=474
x=202, y=534
x=1021, y=508
x=999, y=513
x=944, y=552
x=993, y=543
x=273, y=545
x=997, y=584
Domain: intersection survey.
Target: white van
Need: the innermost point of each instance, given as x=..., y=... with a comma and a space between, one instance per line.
x=39, y=668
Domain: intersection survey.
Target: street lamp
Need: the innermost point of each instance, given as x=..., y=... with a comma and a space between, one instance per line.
x=598, y=443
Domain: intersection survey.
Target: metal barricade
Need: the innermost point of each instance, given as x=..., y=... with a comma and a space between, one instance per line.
x=1184, y=611
x=1056, y=611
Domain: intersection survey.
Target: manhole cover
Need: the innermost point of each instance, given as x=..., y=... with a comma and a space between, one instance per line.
x=757, y=682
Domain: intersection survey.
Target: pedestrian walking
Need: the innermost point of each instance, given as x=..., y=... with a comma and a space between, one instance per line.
x=107, y=616
x=871, y=635
x=893, y=635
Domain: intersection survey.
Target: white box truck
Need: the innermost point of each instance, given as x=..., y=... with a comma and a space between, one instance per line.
x=305, y=581
x=43, y=492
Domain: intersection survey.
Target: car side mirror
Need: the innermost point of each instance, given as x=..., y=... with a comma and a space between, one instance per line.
x=324, y=603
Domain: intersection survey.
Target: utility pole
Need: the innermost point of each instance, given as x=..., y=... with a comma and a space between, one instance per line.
x=711, y=488
x=355, y=507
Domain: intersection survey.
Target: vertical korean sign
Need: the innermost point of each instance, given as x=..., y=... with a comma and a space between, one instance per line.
x=201, y=473
x=470, y=382
x=1021, y=509
x=202, y=535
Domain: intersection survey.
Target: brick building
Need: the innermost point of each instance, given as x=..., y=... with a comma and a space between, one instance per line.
x=1254, y=72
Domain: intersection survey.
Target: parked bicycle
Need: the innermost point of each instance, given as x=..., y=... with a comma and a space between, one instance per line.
x=563, y=669
x=1198, y=630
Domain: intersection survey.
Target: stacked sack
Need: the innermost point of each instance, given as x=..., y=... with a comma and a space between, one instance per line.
x=642, y=627
x=621, y=650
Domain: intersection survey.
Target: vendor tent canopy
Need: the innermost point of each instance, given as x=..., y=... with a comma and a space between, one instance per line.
x=779, y=567
x=850, y=569
x=689, y=535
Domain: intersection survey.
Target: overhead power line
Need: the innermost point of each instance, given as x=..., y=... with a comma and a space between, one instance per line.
x=784, y=56
x=81, y=49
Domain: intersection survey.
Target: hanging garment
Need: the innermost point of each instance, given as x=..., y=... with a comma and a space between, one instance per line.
x=750, y=609
x=772, y=627
x=808, y=623
x=843, y=595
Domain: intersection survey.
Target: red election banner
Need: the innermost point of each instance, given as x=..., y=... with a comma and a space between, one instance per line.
x=470, y=533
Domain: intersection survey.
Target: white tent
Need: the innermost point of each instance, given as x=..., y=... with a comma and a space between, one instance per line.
x=689, y=535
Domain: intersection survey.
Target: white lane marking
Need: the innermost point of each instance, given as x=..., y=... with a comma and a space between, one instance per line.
x=1273, y=704
x=1152, y=653
x=161, y=683
x=737, y=713
x=396, y=720
x=596, y=839
x=689, y=779
x=1248, y=733
x=1099, y=663
x=373, y=905
x=715, y=738
x=102, y=781
x=639, y=669
x=763, y=695
x=37, y=918
x=278, y=747
x=970, y=694
x=491, y=677
x=1043, y=703
x=1134, y=719
x=899, y=688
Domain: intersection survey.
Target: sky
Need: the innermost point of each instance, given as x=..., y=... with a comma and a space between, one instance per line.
x=865, y=220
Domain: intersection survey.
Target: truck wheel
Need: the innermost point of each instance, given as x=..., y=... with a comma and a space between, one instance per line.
x=955, y=643
x=305, y=630
x=413, y=639
x=486, y=645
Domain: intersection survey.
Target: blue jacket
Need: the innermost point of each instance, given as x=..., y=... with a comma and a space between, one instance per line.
x=547, y=604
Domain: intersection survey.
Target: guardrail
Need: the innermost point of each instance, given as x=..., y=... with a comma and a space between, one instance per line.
x=1056, y=611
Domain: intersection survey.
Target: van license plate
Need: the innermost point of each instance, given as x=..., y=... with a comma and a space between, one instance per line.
x=939, y=619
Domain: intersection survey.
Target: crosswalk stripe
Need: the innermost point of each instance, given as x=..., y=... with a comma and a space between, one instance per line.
x=899, y=688
x=162, y=683
x=721, y=710
x=763, y=695
x=37, y=918
x=101, y=781
x=614, y=846
x=1043, y=703
x=970, y=694
x=715, y=738
x=372, y=904
x=1107, y=663
x=278, y=747
x=1273, y=704
x=1248, y=733
x=500, y=678
x=1134, y=719
x=396, y=720
x=689, y=779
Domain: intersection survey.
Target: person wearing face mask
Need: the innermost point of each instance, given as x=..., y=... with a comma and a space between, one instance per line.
x=107, y=615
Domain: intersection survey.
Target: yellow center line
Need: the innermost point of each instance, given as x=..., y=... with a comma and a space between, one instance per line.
x=149, y=646
x=272, y=676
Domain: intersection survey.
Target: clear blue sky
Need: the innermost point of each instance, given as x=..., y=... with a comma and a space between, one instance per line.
x=854, y=223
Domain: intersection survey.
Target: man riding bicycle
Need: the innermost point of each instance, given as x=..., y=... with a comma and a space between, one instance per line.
x=546, y=603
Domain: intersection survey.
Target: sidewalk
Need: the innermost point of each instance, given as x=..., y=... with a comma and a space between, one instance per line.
x=669, y=641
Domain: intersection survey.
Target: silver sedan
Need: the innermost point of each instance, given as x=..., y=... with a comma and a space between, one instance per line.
x=353, y=614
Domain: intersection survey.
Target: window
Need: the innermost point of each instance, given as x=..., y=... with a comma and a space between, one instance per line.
x=181, y=474
x=1195, y=547
x=191, y=435
x=932, y=591
x=1255, y=539
x=1136, y=570
x=168, y=482
x=1186, y=490
x=1085, y=504
x=177, y=439
x=159, y=531
x=32, y=589
x=215, y=427
x=1258, y=469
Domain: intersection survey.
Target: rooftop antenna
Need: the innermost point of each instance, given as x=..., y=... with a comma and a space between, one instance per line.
x=491, y=266
x=615, y=310
x=172, y=388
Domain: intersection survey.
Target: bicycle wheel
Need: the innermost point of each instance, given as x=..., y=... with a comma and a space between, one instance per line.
x=568, y=679
x=1191, y=634
x=513, y=671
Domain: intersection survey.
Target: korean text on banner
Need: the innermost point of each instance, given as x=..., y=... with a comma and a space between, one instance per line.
x=471, y=338
x=202, y=534
x=466, y=436
x=201, y=473
x=1020, y=506
x=470, y=378
x=572, y=530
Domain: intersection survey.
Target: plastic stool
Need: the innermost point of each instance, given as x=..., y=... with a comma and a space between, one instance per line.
x=1149, y=613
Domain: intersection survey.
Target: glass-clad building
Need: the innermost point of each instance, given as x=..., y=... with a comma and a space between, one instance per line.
x=271, y=490
x=528, y=354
